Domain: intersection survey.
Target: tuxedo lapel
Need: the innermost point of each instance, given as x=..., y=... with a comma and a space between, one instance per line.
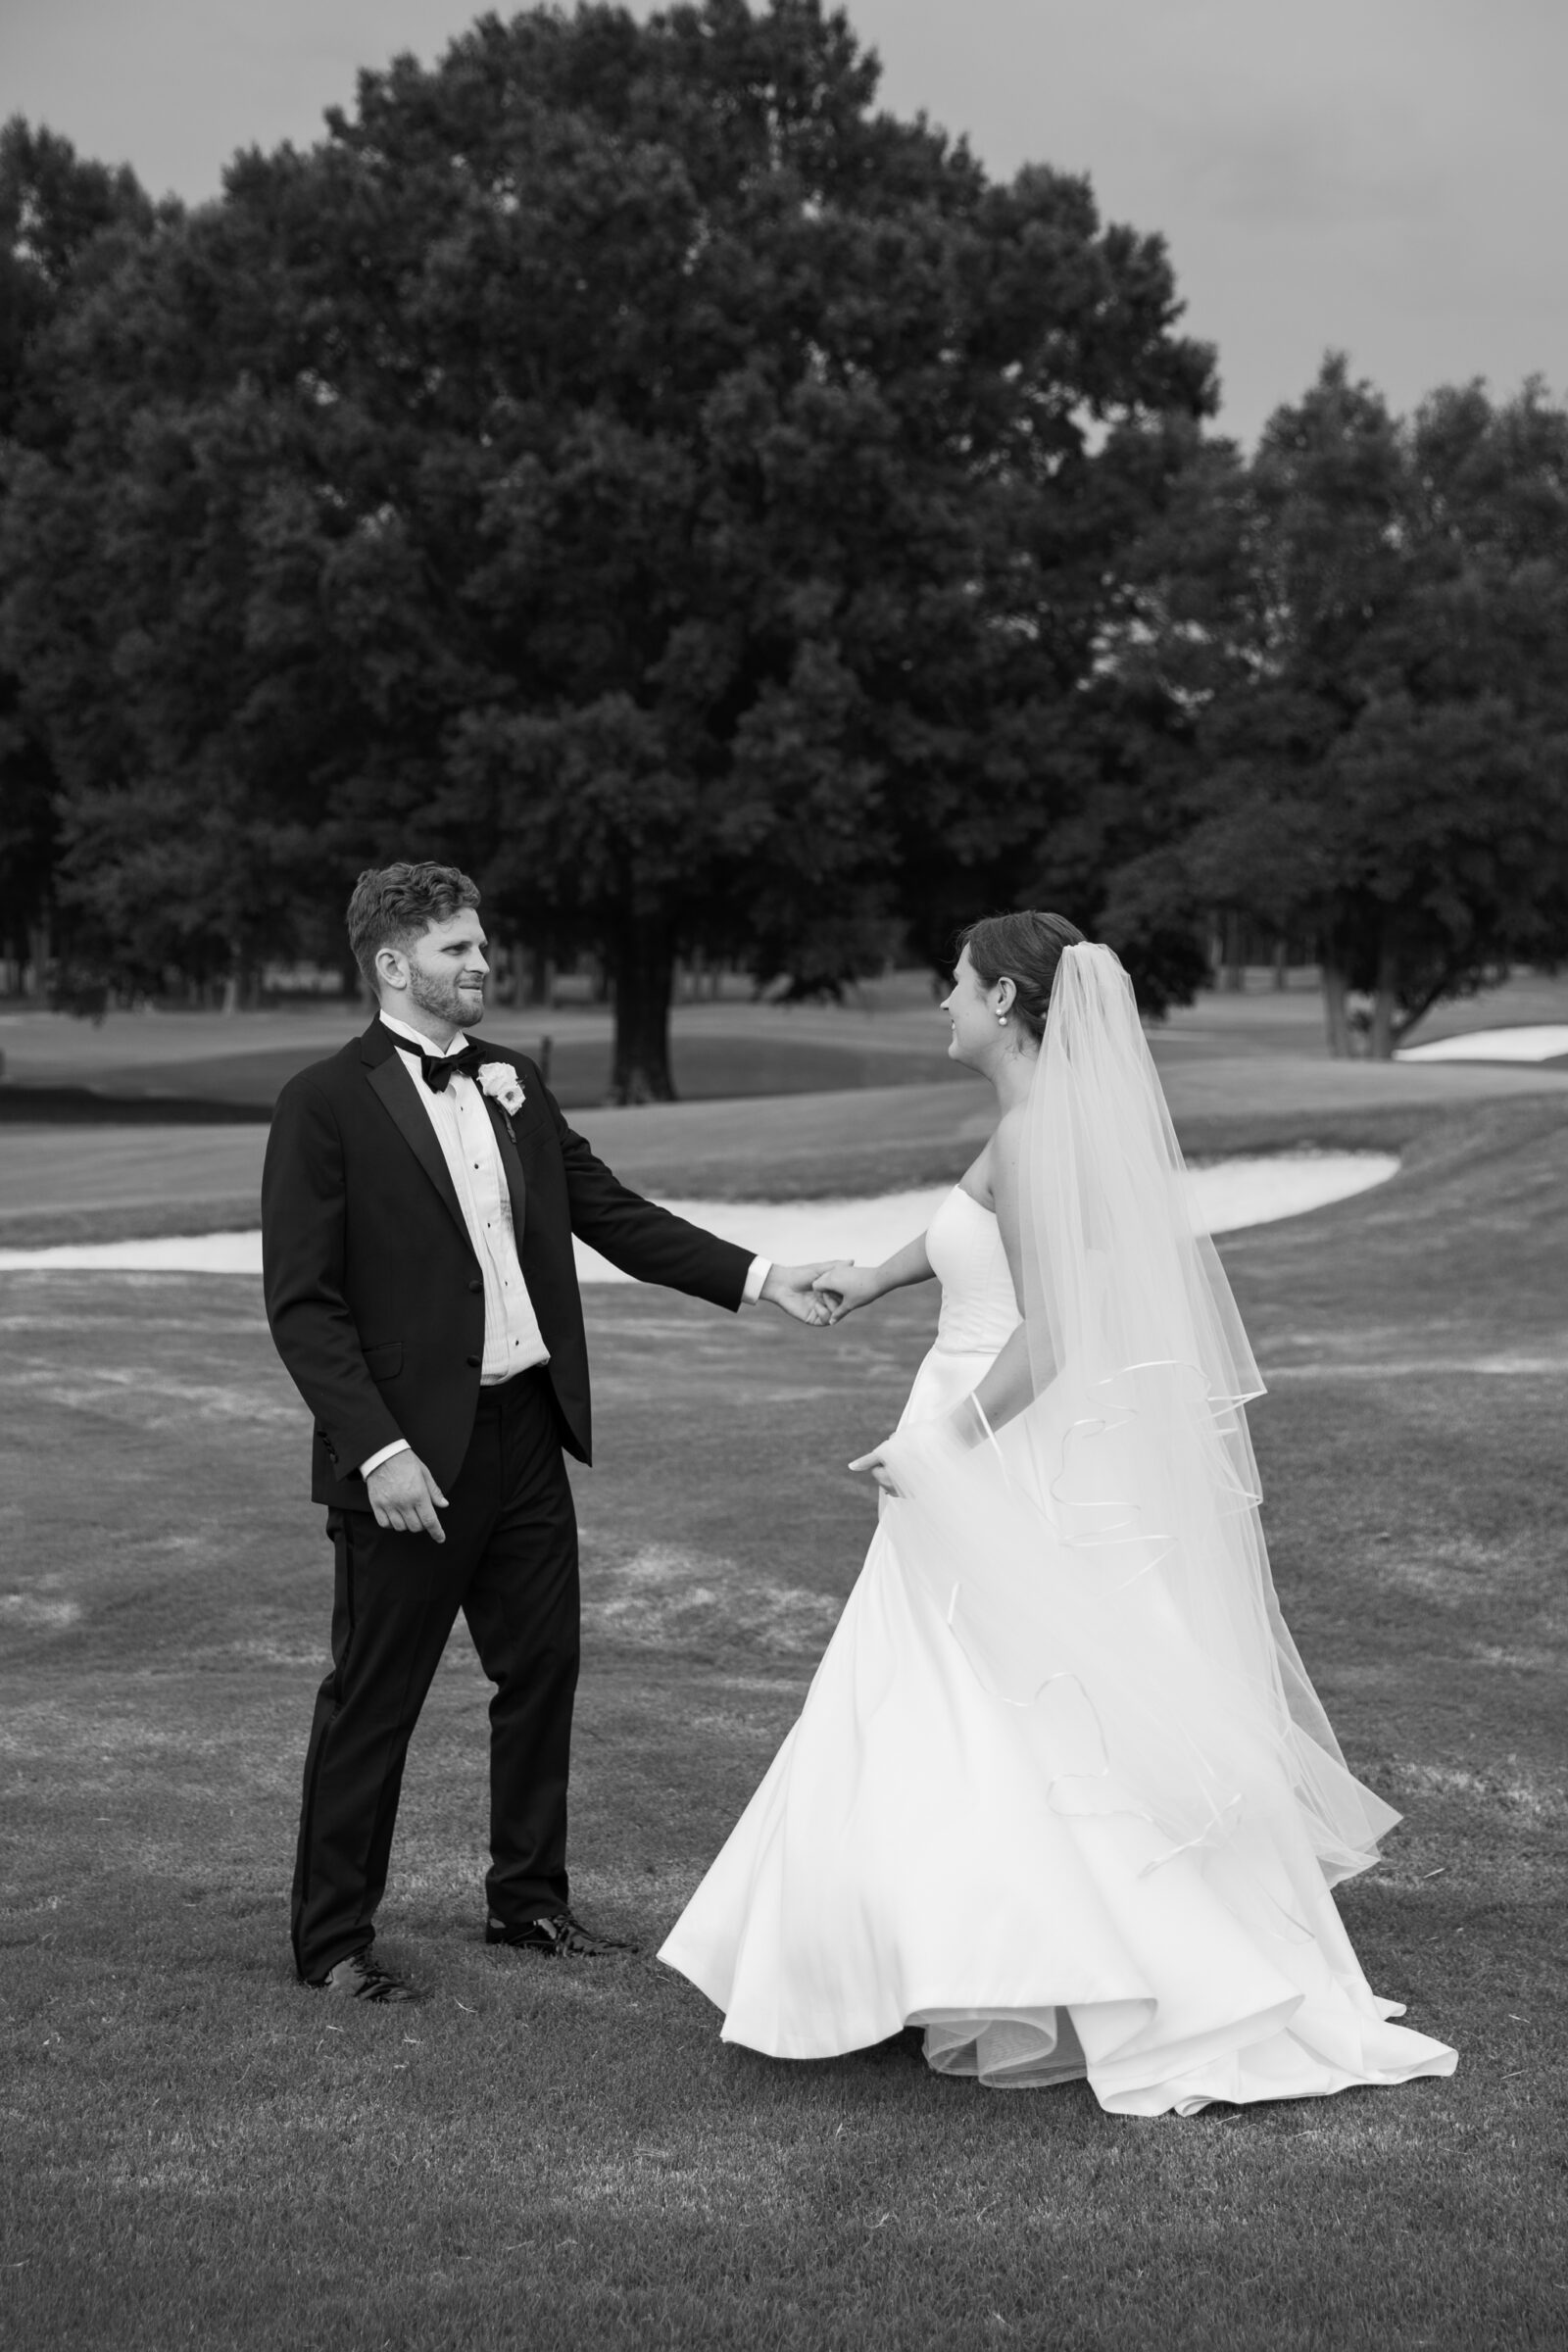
x=396, y=1088
x=511, y=1165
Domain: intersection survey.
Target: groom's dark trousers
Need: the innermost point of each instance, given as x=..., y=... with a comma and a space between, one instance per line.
x=510, y=1564
x=376, y=1304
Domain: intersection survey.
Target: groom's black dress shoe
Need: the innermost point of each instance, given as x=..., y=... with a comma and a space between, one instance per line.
x=559, y=1934
x=360, y=1977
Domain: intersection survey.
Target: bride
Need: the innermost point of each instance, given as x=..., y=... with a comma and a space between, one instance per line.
x=1061, y=1794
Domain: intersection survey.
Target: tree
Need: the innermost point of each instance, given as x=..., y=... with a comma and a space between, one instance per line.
x=59, y=217
x=1369, y=626
x=620, y=458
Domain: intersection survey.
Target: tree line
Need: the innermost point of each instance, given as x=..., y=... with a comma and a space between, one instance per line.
x=622, y=459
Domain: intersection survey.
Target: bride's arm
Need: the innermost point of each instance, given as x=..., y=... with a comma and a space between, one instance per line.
x=1008, y=1386
x=853, y=1285
x=1005, y=1389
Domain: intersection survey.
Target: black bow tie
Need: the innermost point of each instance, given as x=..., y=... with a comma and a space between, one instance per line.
x=436, y=1069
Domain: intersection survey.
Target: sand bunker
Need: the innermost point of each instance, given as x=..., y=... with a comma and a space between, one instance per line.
x=1543, y=1041
x=1226, y=1194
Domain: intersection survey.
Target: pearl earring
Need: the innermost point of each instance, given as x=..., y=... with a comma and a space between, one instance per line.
x=1002, y=1018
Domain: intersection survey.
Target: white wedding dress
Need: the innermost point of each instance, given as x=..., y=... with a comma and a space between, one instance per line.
x=1013, y=1869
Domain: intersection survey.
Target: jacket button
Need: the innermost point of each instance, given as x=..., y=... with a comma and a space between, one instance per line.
x=473, y=1363
x=477, y=1284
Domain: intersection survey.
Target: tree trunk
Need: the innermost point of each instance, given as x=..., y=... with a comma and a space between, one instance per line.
x=505, y=964
x=1336, y=987
x=640, y=960
x=236, y=979
x=1385, y=1003
x=1282, y=957
x=1233, y=976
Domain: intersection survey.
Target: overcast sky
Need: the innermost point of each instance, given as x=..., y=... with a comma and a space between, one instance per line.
x=1385, y=176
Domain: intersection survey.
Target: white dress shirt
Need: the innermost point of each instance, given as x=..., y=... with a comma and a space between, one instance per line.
x=512, y=1340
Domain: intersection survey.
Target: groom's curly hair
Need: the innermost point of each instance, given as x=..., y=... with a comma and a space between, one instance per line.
x=392, y=904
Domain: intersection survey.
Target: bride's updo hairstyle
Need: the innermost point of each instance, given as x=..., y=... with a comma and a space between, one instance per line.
x=1025, y=948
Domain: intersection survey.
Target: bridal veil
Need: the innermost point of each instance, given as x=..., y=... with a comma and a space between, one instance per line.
x=1113, y=1524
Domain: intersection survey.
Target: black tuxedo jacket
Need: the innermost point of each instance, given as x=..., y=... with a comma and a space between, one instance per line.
x=373, y=1292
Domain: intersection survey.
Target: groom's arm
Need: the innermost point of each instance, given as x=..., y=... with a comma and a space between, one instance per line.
x=303, y=1210
x=649, y=1243
x=652, y=1244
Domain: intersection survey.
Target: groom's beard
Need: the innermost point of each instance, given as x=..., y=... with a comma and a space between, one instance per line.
x=440, y=995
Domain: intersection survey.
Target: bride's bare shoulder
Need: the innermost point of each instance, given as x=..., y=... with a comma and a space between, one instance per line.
x=1007, y=1136
x=997, y=1162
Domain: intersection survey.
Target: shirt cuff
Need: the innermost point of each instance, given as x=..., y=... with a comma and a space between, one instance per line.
x=759, y=1271
x=373, y=1461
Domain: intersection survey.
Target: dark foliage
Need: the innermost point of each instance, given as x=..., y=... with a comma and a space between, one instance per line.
x=620, y=458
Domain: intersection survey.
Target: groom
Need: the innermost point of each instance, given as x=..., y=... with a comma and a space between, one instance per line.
x=418, y=1201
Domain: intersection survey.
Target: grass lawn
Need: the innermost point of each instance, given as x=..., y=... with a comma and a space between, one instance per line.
x=201, y=1065
x=194, y=2152
x=779, y=1101
x=214, y=1064
x=76, y=1183
x=246, y=1082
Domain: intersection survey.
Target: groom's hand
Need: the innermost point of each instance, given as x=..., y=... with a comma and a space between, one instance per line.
x=845, y=1287
x=405, y=1496
x=790, y=1287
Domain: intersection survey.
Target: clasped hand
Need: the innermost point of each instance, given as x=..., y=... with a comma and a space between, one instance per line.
x=797, y=1291
x=844, y=1286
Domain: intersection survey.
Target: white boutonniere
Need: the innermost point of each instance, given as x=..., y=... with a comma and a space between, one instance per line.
x=499, y=1080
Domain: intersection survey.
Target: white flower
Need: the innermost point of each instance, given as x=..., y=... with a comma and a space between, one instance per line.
x=499, y=1080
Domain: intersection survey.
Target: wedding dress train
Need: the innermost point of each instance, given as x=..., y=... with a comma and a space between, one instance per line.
x=1061, y=1792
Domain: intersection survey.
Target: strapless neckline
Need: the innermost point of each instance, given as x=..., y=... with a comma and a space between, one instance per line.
x=964, y=1193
